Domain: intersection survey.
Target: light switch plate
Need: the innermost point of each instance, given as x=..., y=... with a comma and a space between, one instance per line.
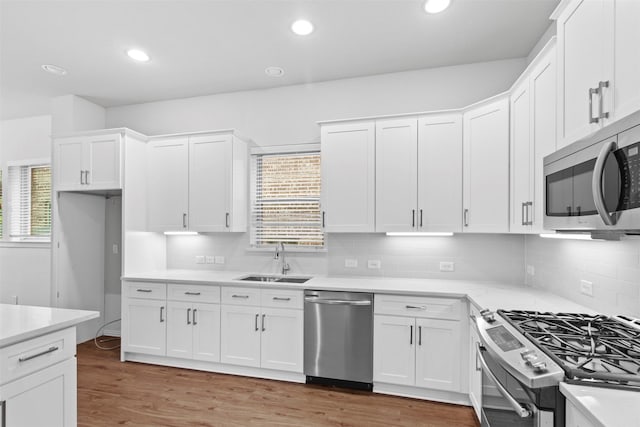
x=350, y=263
x=210, y=259
x=586, y=287
x=199, y=259
x=219, y=259
x=447, y=266
x=374, y=263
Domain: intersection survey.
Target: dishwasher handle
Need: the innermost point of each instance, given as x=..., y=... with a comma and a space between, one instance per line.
x=331, y=301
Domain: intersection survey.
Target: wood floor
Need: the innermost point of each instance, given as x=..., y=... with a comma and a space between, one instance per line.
x=111, y=393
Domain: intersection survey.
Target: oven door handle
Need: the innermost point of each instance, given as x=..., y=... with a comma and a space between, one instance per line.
x=596, y=183
x=519, y=409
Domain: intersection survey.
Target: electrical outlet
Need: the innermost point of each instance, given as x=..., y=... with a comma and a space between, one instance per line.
x=447, y=266
x=200, y=259
x=586, y=287
x=209, y=259
x=114, y=248
x=350, y=263
x=374, y=263
x=531, y=270
x=218, y=259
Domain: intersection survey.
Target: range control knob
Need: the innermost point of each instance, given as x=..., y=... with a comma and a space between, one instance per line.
x=528, y=355
x=488, y=315
x=539, y=366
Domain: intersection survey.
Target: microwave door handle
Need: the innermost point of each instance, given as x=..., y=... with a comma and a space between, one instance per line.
x=596, y=184
x=519, y=409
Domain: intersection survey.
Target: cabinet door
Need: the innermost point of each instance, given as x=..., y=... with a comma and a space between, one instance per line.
x=144, y=326
x=240, y=335
x=282, y=339
x=179, y=329
x=396, y=174
x=68, y=164
x=486, y=168
x=582, y=35
x=543, y=135
x=626, y=61
x=167, y=184
x=348, y=179
x=206, y=332
x=520, y=157
x=45, y=398
x=438, y=355
x=210, y=182
x=440, y=173
x=475, y=371
x=102, y=162
x=394, y=350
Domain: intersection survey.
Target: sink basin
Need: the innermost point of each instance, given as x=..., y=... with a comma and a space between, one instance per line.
x=269, y=278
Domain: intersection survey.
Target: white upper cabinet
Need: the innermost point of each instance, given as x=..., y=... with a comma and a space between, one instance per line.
x=197, y=183
x=87, y=163
x=419, y=173
x=598, y=65
x=486, y=167
x=533, y=136
x=348, y=176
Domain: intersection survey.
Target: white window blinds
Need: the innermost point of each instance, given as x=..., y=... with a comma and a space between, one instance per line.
x=285, y=205
x=30, y=201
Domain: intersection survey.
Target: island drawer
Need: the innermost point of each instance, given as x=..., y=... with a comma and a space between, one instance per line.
x=145, y=290
x=425, y=307
x=195, y=293
x=32, y=355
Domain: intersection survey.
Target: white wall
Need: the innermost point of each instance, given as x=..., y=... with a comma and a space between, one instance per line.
x=25, y=268
x=612, y=267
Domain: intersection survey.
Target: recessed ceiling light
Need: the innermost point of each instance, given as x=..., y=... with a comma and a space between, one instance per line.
x=54, y=69
x=436, y=6
x=274, y=71
x=302, y=27
x=138, y=55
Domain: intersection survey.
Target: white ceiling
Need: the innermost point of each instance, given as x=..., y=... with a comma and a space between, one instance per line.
x=200, y=47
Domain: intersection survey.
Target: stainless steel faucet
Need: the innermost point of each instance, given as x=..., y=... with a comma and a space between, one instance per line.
x=280, y=256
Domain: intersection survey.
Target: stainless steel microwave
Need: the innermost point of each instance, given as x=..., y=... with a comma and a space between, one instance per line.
x=594, y=184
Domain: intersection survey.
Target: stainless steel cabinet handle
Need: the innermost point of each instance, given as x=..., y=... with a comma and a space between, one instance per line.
x=146, y=291
x=478, y=367
x=592, y=91
x=3, y=413
x=42, y=353
x=240, y=296
x=86, y=177
x=263, y=329
x=257, y=315
x=529, y=213
x=81, y=177
x=601, y=86
x=195, y=310
x=415, y=307
x=192, y=293
x=413, y=217
x=419, y=335
x=188, y=316
x=161, y=314
x=596, y=183
x=410, y=334
x=522, y=209
x=465, y=217
x=420, y=218
x=226, y=220
x=281, y=299
x=184, y=220
x=521, y=411
x=316, y=300
x=323, y=219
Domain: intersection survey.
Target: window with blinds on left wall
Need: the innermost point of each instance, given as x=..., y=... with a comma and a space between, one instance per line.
x=29, y=188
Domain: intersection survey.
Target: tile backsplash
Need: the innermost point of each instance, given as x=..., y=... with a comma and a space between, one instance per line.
x=612, y=268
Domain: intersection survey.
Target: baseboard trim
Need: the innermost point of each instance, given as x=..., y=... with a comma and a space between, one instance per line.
x=422, y=393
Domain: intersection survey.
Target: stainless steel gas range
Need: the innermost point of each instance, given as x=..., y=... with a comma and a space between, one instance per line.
x=524, y=355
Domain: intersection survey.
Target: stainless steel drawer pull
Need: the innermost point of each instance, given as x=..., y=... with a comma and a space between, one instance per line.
x=42, y=353
x=192, y=293
x=419, y=335
x=281, y=299
x=257, y=315
x=415, y=307
x=263, y=316
x=410, y=334
x=188, y=316
x=240, y=296
x=195, y=310
x=161, y=314
x=146, y=291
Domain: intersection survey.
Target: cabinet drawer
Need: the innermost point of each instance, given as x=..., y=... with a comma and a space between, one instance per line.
x=145, y=290
x=32, y=355
x=285, y=298
x=195, y=293
x=241, y=296
x=427, y=307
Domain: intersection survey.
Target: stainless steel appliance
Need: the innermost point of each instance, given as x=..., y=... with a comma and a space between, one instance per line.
x=525, y=354
x=594, y=184
x=338, y=338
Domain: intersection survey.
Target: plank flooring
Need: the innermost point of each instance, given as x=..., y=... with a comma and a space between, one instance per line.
x=111, y=393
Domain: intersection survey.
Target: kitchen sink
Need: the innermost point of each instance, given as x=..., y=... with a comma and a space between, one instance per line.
x=276, y=279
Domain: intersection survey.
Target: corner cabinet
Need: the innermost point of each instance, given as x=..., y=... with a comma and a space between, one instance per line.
x=348, y=176
x=598, y=65
x=197, y=182
x=422, y=195
x=486, y=167
x=88, y=162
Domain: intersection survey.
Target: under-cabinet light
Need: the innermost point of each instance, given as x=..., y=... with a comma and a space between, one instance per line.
x=418, y=234
x=567, y=236
x=180, y=233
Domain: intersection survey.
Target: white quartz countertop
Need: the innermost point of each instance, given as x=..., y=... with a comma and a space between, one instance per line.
x=22, y=322
x=489, y=295
x=605, y=407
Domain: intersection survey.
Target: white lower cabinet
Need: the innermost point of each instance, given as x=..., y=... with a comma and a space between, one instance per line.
x=475, y=371
x=282, y=343
x=144, y=326
x=193, y=330
x=240, y=335
x=421, y=346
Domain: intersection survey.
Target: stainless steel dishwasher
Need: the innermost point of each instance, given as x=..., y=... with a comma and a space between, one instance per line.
x=338, y=338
